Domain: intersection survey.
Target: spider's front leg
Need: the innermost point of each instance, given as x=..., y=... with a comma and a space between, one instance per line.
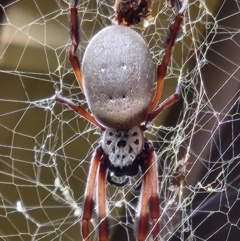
x=101, y=201
x=155, y=108
x=88, y=196
x=149, y=195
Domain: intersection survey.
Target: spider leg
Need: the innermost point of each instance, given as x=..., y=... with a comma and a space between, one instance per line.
x=154, y=195
x=149, y=195
x=75, y=39
x=162, y=68
x=101, y=202
x=88, y=201
x=79, y=109
x=142, y=217
x=169, y=101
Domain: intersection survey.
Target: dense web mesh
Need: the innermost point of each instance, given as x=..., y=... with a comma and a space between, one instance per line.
x=45, y=148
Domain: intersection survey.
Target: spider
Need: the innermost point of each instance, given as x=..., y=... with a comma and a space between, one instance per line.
x=117, y=77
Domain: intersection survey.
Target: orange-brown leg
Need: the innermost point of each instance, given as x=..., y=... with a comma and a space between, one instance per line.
x=162, y=68
x=103, y=221
x=169, y=101
x=88, y=201
x=154, y=194
x=149, y=195
x=79, y=109
x=75, y=39
x=142, y=217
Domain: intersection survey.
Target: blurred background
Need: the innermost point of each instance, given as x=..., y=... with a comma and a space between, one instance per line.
x=45, y=148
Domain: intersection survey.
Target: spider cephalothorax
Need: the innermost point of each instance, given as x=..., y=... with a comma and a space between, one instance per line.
x=121, y=149
x=117, y=78
x=122, y=146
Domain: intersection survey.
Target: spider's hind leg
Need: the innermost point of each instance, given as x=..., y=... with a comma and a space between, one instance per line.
x=75, y=40
x=162, y=68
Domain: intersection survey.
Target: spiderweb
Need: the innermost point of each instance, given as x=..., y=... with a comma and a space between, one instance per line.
x=45, y=148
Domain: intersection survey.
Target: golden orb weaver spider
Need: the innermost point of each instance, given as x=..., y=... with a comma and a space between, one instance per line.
x=117, y=78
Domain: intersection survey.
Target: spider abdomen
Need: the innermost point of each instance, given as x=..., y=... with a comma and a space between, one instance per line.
x=118, y=77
